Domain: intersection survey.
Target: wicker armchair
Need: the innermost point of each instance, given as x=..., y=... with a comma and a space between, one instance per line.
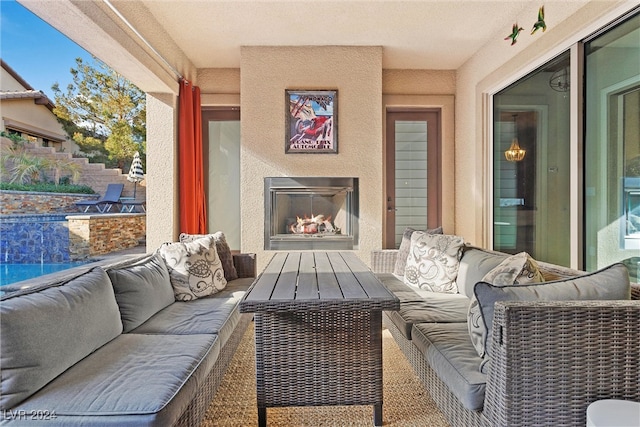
x=552, y=358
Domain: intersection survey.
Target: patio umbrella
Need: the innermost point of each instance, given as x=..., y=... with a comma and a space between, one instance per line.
x=136, y=174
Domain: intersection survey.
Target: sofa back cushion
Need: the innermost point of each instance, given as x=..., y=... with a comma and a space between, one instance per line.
x=474, y=265
x=142, y=288
x=45, y=332
x=610, y=283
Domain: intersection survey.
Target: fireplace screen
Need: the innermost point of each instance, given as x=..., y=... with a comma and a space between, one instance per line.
x=311, y=213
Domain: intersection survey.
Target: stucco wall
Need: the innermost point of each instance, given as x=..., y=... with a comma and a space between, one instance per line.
x=356, y=72
x=26, y=115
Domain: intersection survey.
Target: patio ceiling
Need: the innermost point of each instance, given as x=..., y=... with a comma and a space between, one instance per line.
x=197, y=34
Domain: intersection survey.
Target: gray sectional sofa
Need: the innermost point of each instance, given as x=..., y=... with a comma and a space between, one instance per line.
x=552, y=347
x=110, y=345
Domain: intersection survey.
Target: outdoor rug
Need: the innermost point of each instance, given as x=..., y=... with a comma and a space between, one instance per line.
x=406, y=402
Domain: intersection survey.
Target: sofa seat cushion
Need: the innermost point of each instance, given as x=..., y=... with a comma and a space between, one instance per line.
x=150, y=378
x=217, y=314
x=400, y=289
x=450, y=353
x=44, y=332
x=418, y=305
x=435, y=308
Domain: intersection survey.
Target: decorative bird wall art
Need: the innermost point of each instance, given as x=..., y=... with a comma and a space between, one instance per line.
x=515, y=32
x=539, y=24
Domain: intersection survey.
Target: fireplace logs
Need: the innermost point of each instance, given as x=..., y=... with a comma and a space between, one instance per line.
x=317, y=224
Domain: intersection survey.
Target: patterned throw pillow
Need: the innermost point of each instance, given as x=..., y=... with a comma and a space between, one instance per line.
x=433, y=262
x=405, y=245
x=519, y=269
x=195, y=269
x=224, y=252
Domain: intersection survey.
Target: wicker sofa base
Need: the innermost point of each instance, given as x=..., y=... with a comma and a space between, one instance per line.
x=454, y=412
x=197, y=409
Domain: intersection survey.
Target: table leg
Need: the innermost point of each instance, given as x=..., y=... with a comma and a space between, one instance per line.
x=377, y=415
x=262, y=417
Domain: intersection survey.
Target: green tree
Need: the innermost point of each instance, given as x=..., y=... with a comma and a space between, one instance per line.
x=103, y=113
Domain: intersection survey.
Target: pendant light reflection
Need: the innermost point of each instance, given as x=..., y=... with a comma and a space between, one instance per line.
x=515, y=153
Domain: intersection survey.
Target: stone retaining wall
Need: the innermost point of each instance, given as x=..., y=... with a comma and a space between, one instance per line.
x=29, y=202
x=91, y=235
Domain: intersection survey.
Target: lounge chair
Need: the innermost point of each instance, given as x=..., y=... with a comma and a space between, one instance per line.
x=103, y=205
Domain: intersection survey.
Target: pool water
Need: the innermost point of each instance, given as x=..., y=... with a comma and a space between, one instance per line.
x=11, y=273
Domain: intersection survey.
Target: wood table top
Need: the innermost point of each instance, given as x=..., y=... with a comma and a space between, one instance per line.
x=317, y=281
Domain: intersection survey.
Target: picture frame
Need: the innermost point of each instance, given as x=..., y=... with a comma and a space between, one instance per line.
x=311, y=121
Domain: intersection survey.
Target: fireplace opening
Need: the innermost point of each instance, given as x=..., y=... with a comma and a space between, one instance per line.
x=311, y=213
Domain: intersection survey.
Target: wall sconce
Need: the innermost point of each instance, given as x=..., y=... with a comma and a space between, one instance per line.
x=515, y=153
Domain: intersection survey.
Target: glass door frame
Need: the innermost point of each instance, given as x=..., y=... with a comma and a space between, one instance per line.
x=434, y=168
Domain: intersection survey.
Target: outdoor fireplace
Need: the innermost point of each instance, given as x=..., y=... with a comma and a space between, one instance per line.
x=310, y=213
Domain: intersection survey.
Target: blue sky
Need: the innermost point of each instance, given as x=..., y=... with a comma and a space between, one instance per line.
x=35, y=50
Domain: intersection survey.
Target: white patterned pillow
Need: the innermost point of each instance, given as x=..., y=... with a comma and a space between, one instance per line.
x=433, y=262
x=223, y=249
x=516, y=269
x=405, y=246
x=195, y=269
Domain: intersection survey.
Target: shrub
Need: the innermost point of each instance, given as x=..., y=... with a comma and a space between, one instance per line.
x=46, y=187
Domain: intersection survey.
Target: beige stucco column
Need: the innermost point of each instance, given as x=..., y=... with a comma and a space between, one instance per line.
x=162, y=178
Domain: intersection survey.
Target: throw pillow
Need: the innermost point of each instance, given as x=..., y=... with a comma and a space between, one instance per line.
x=195, y=269
x=610, y=283
x=433, y=261
x=405, y=245
x=516, y=269
x=223, y=249
x=142, y=288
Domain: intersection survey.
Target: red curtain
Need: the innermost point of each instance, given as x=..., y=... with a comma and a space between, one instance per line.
x=193, y=209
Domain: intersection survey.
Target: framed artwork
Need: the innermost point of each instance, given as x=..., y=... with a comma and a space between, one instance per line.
x=311, y=121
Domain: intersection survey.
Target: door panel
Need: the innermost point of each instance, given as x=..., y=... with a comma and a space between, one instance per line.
x=221, y=153
x=413, y=172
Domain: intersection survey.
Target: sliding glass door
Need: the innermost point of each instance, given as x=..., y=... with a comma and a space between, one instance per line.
x=531, y=165
x=533, y=198
x=612, y=147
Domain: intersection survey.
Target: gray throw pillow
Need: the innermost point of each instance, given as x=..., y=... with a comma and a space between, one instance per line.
x=405, y=245
x=195, y=270
x=610, y=283
x=223, y=249
x=142, y=288
x=516, y=269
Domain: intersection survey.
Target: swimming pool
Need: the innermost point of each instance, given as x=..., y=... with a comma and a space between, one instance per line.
x=32, y=245
x=11, y=273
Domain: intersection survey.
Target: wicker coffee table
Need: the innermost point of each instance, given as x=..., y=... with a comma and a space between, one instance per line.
x=318, y=332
